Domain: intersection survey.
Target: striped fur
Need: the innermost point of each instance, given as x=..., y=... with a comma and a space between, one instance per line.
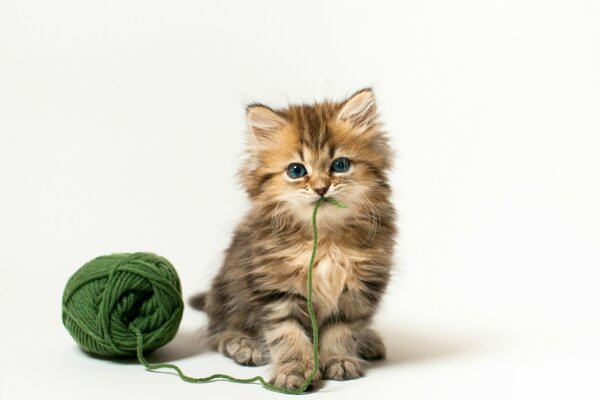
x=257, y=302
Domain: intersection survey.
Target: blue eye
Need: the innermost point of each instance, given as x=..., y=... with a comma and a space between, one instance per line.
x=341, y=164
x=296, y=170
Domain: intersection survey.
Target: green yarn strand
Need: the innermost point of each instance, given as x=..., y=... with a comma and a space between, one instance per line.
x=259, y=379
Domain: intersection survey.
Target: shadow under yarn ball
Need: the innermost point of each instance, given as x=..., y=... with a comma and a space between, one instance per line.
x=112, y=296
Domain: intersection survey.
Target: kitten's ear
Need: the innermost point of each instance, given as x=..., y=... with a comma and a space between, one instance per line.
x=262, y=121
x=360, y=110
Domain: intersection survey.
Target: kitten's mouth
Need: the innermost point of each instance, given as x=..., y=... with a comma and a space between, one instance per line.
x=328, y=200
x=315, y=201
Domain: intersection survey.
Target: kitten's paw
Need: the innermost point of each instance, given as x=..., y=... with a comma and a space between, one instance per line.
x=292, y=375
x=370, y=346
x=245, y=351
x=342, y=368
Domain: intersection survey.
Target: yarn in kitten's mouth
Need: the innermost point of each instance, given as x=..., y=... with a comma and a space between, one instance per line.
x=331, y=201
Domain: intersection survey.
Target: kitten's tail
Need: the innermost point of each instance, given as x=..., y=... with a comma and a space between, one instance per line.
x=198, y=301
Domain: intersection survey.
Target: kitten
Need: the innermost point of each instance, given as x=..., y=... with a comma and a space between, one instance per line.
x=257, y=303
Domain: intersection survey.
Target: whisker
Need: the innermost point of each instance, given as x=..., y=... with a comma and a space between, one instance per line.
x=277, y=219
x=373, y=217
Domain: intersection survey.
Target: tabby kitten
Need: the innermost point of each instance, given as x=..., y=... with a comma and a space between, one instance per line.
x=257, y=303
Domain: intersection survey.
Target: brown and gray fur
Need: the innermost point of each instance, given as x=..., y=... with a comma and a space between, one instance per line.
x=257, y=303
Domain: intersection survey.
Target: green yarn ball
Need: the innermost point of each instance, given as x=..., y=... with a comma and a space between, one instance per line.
x=111, y=294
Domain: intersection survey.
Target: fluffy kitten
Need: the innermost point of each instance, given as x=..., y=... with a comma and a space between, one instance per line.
x=257, y=305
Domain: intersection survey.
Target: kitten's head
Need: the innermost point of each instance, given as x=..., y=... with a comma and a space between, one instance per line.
x=299, y=154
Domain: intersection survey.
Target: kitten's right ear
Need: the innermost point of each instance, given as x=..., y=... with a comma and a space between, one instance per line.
x=262, y=121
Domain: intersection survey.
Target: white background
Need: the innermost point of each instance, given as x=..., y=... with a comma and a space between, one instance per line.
x=121, y=128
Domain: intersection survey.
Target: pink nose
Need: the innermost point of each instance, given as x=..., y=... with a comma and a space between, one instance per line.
x=321, y=191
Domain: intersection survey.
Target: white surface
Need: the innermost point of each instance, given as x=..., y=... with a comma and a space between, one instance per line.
x=121, y=128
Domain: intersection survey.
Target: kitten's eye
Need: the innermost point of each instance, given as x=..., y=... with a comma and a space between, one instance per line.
x=296, y=170
x=341, y=164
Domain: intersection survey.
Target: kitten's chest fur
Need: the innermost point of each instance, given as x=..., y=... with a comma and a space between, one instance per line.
x=336, y=268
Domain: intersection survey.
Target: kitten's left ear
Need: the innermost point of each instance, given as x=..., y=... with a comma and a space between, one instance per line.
x=360, y=110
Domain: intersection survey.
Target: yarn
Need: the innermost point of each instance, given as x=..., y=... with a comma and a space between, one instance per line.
x=129, y=304
x=111, y=297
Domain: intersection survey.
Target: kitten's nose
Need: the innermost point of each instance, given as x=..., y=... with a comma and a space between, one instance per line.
x=321, y=191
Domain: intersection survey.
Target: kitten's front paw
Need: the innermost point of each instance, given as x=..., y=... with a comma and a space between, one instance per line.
x=342, y=368
x=292, y=375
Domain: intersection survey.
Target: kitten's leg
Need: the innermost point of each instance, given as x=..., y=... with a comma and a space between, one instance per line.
x=370, y=345
x=339, y=352
x=242, y=348
x=287, y=334
x=291, y=352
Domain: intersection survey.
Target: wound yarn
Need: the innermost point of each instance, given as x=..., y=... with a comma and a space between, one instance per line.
x=111, y=297
x=128, y=304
